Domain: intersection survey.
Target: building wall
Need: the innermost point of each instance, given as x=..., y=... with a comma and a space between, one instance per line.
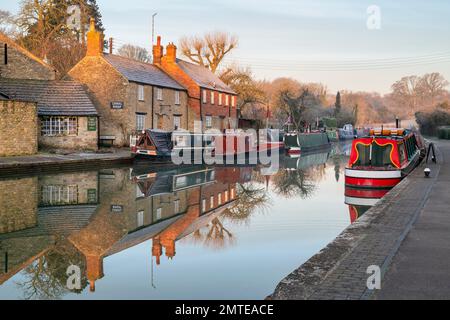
x=220, y=113
x=166, y=109
x=18, y=128
x=105, y=85
x=18, y=204
x=84, y=140
x=22, y=66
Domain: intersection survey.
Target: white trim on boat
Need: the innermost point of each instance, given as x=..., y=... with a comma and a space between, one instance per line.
x=380, y=174
x=370, y=202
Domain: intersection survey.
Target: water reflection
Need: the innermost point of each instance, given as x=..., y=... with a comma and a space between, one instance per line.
x=50, y=222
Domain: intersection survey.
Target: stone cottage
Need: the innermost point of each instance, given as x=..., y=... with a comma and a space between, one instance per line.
x=130, y=95
x=66, y=117
x=210, y=99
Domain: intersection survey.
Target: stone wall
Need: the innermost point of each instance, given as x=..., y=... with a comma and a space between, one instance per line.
x=18, y=204
x=22, y=65
x=18, y=128
x=166, y=109
x=84, y=140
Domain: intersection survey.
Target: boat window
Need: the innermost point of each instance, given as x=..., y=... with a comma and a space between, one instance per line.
x=363, y=155
x=381, y=155
x=402, y=151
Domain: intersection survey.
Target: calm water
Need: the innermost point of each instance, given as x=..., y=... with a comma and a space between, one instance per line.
x=191, y=233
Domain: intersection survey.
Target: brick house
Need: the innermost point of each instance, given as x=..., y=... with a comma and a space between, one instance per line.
x=210, y=100
x=130, y=95
x=66, y=117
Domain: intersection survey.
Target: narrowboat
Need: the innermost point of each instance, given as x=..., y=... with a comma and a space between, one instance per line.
x=296, y=143
x=346, y=133
x=384, y=158
x=154, y=143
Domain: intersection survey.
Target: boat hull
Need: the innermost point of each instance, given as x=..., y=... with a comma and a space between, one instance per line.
x=372, y=178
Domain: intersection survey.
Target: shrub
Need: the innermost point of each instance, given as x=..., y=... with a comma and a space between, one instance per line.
x=429, y=122
x=443, y=132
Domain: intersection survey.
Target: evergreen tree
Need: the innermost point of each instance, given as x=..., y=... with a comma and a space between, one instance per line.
x=337, y=104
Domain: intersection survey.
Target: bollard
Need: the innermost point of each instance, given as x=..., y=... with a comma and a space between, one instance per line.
x=427, y=172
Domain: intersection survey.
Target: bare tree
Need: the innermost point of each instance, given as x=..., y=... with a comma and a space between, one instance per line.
x=208, y=50
x=7, y=23
x=134, y=52
x=407, y=91
x=431, y=85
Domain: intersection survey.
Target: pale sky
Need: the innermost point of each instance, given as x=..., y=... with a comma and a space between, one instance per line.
x=312, y=41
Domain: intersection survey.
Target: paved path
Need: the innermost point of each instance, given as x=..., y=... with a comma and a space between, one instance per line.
x=46, y=161
x=421, y=267
x=339, y=271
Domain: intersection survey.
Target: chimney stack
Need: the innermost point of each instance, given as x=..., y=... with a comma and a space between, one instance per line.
x=171, y=52
x=94, y=41
x=157, y=51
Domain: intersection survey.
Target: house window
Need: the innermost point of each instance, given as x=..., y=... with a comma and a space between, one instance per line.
x=203, y=205
x=56, y=195
x=140, y=218
x=232, y=193
x=212, y=97
x=226, y=196
x=158, y=214
x=159, y=94
x=233, y=101
x=59, y=126
x=205, y=96
x=208, y=121
x=176, y=122
x=219, y=200
x=141, y=93
x=220, y=99
x=140, y=122
x=177, y=97
x=227, y=100
x=211, y=202
x=176, y=206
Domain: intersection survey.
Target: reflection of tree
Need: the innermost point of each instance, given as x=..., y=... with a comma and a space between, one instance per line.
x=46, y=277
x=251, y=197
x=218, y=237
x=290, y=183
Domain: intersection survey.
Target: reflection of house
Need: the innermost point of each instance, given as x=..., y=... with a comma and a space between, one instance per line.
x=126, y=214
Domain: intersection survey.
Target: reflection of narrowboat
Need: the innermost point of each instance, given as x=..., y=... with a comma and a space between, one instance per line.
x=360, y=200
x=296, y=143
x=384, y=158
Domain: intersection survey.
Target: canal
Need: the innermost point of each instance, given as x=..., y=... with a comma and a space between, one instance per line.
x=185, y=233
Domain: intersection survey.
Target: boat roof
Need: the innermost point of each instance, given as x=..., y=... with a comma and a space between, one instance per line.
x=387, y=133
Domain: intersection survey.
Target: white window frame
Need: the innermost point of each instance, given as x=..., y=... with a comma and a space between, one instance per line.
x=220, y=99
x=158, y=214
x=140, y=122
x=177, y=122
x=159, y=94
x=59, y=126
x=211, y=202
x=205, y=96
x=140, y=218
x=203, y=205
x=219, y=199
x=226, y=196
x=233, y=101
x=208, y=121
x=177, y=97
x=141, y=93
x=212, y=97
x=59, y=194
x=232, y=193
x=227, y=100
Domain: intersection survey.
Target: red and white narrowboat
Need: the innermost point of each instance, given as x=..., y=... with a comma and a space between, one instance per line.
x=383, y=158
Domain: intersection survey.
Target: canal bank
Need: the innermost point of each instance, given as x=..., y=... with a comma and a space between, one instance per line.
x=45, y=162
x=405, y=234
